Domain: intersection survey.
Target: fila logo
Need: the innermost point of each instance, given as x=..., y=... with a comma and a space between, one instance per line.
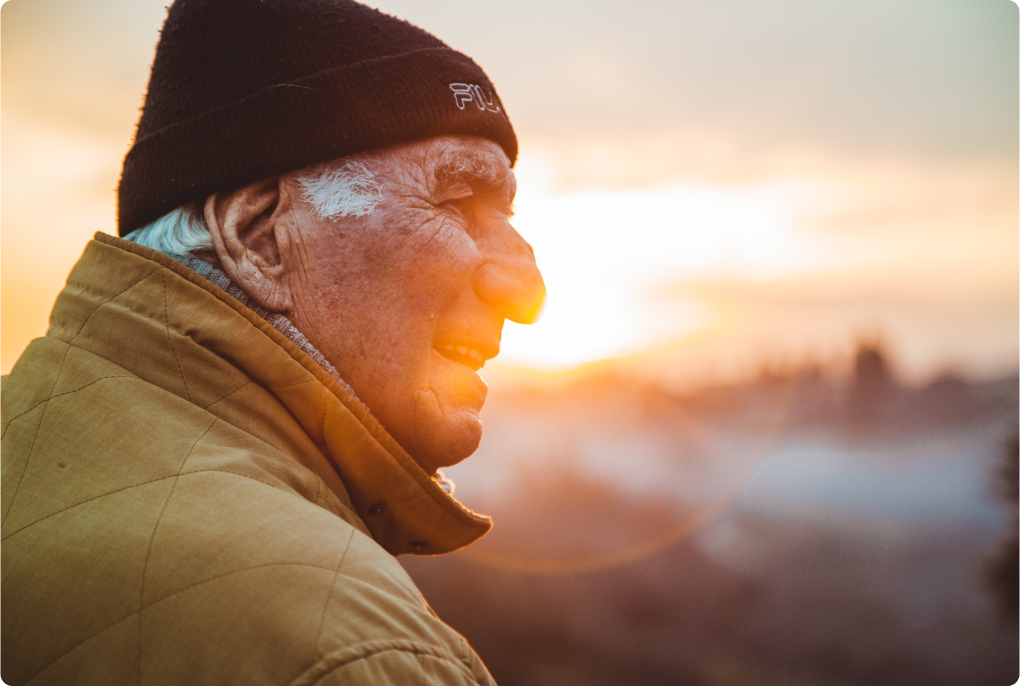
x=463, y=93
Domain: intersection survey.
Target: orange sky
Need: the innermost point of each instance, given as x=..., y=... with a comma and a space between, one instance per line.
x=715, y=181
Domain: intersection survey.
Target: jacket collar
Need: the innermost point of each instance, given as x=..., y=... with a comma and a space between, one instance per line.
x=405, y=509
x=279, y=322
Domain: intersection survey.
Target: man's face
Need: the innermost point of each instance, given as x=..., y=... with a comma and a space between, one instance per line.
x=409, y=301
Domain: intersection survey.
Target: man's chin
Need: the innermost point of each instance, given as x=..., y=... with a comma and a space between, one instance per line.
x=447, y=441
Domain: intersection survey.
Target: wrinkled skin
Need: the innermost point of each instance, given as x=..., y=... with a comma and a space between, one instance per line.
x=393, y=299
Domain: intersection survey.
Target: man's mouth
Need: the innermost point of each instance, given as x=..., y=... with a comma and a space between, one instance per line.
x=462, y=353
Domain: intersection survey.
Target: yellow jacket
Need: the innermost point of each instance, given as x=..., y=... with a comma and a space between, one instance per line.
x=188, y=498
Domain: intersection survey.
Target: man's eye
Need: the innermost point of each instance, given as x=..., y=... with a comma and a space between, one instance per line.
x=455, y=205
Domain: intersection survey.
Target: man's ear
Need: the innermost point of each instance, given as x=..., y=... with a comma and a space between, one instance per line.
x=247, y=233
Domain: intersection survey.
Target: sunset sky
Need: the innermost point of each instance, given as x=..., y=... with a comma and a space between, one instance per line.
x=706, y=184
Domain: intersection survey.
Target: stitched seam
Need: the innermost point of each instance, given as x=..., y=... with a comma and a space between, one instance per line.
x=292, y=385
x=152, y=536
x=329, y=596
x=85, y=640
x=35, y=437
x=166, y=319
x=108, y=301
x=413, y=649
x=411, y=604
x=249, y=381
x=144, y=483
x=236, y=571
x=243, y=476
x=171, y=595
x=58, y=395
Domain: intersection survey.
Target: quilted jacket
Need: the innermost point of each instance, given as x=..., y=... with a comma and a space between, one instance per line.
x=188, y=498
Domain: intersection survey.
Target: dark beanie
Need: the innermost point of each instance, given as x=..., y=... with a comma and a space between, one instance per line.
x=245, y=89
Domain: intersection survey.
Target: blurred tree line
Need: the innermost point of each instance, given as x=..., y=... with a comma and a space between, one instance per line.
x=1004, y=572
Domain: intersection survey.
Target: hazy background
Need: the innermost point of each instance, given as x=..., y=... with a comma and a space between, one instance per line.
x=765, y=431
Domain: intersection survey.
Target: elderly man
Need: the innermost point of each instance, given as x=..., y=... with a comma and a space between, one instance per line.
x=238, y=414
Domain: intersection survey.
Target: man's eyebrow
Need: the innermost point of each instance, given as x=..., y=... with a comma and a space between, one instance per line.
x=471, y=167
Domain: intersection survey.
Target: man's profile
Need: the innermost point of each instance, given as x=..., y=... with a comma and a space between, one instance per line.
x=238, y=414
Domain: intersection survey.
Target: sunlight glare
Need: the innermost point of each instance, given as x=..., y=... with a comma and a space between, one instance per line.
x=604, y=252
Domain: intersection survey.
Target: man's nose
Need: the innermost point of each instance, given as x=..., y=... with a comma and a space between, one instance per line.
x=509, y=279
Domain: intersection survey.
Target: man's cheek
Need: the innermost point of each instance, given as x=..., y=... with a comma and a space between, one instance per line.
x=444, y=244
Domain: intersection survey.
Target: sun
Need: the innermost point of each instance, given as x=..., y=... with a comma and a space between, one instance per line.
x=609, y=255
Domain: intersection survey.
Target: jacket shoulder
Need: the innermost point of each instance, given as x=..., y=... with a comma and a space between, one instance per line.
x=290, y=592
x=145, y=537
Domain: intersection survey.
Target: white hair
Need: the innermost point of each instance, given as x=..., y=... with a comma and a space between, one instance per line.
x=340, y=188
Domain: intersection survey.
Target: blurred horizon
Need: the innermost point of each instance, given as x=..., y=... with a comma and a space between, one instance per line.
x=705, y=184
x=792, y=528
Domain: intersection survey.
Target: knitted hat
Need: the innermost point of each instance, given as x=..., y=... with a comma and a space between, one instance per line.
x=245, y=89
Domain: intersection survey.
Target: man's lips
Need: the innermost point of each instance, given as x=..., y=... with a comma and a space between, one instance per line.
x=468, y=353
